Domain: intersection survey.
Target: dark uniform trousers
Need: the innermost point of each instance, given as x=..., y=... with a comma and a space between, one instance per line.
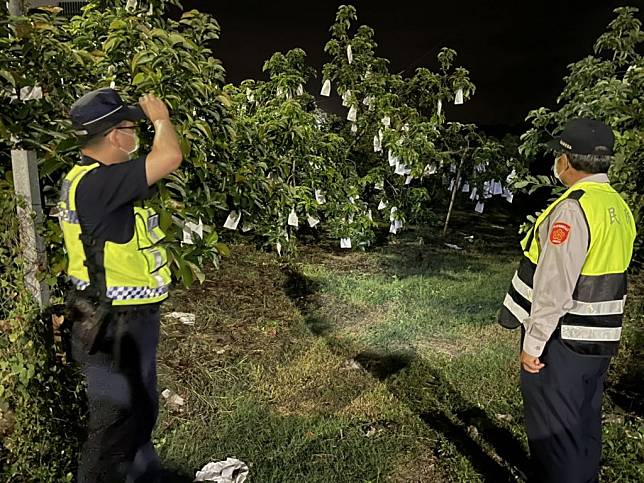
x=123, y=401
x=562, y=405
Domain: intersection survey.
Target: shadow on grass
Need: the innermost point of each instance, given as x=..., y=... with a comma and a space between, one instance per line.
x=492, y=450
x=172, y=476
x=410, y=260
x=445, y=411
x=448, y=413
x=483, y=240
x=383, y=366
x=301, y=290
x=298, y=287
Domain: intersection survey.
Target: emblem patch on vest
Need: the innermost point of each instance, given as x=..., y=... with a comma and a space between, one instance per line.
x=559, y=233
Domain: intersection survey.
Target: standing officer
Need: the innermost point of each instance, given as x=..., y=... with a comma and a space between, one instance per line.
x=120, y=275
x=568, y=296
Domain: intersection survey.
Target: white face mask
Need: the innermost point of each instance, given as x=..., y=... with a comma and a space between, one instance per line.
x=131, y=152
x=555, y=172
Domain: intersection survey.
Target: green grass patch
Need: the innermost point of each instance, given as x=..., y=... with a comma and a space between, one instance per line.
x=354, y=367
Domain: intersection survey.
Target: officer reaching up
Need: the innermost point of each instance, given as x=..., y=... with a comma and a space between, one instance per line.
x=568, y=297
x=120, y=274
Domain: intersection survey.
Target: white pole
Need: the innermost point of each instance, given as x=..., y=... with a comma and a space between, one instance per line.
x=16, y=8
x=25, y=181
x=30, y=215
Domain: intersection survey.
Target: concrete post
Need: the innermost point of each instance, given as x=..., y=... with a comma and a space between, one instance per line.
x=30, y=214
x=16, y=7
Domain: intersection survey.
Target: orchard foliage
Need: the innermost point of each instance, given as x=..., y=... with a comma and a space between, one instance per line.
x=262, y=150
x=136, y=51
x=398, y=134
x=288, y=169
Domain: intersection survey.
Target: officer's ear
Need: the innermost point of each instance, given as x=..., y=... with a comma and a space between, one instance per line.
x=110, y=136
x=566, y=161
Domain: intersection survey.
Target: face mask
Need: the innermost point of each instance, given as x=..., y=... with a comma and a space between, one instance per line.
x=135, y=148
x=555, y=172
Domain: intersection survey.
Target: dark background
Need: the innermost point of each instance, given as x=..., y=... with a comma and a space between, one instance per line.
x=516, y=51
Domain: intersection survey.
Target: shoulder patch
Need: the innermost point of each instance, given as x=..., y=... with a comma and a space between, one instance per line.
x=559, y=233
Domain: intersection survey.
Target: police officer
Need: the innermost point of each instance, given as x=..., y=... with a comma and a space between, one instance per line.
x=120, y=275
x=568, y=297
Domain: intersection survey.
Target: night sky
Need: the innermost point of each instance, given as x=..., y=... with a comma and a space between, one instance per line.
x=516, y=51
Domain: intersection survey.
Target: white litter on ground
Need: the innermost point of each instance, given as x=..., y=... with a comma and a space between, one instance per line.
x=173, y=400
x=229, y=471
x=183, y=317
x=29, y=93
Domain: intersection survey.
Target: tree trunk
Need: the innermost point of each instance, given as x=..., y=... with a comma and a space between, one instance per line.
x=457, y=182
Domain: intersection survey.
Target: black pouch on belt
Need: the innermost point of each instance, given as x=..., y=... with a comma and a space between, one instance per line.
x=94, y=311
x=92, y=321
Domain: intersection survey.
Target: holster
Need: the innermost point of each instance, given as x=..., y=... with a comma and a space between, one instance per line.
x=91, y=309
x=92, y=320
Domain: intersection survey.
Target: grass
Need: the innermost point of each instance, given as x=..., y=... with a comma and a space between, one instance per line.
x=366, y=367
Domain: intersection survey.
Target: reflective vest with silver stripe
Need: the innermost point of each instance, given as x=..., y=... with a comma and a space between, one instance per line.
x=593, y=324
x=136, y=272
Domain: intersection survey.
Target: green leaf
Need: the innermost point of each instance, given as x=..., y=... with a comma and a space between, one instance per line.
x=8, y=76
x=139, y=79
x=223, y=249
x=112, y=43
x=204, y=128
x=197, y=272
x=141, y=58
x=176, y=39
x=118, y=24
x=185, y=273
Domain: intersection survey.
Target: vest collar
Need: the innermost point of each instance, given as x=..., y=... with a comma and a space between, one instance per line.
x=594, y=178
x=87, y=161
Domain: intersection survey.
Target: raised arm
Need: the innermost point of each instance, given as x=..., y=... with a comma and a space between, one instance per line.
x=165, y=156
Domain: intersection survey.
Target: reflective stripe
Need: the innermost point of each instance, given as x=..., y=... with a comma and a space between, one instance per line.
x=595, y=334
x=79, y=284
x=103, y=117
x=153, y=222
x=159, y=279
x=158, y=259
x=154, y=236
x=130, y=293
x=69, y=216
x=611, y=307
x=72, y=180
x=127, y=293
x=64, y=192
x=515, y=309
x=520, y=286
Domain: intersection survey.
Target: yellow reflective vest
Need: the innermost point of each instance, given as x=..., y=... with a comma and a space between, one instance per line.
x=593, y=326
x=136, y=272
